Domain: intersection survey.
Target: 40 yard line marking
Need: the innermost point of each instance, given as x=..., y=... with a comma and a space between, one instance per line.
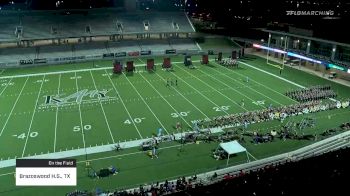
x=126, y=109
x=13, y=107
x=58, y=92
x=146, y=104
x=31, y=121
x=103, y=111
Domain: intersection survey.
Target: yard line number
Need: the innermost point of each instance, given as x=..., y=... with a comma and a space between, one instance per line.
x=78, y=128
x=179, y=114
x=221, y=108
x=135, y=120
x=23, y=135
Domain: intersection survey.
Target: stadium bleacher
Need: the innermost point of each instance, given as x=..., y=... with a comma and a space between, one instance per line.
x=38, y=25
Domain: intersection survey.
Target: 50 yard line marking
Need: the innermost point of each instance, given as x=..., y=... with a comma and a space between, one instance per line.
x=13, y=107
x=103, y=111
x=126, y=109
x=31, y=121
x=58, y=92
x=81, y=119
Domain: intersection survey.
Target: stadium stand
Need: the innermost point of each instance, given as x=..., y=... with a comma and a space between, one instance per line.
x=48, y=25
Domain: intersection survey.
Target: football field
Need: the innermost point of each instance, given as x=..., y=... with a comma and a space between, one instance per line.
x=51, y=110
x=46, y=113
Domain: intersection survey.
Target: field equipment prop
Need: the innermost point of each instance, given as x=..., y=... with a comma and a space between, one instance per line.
x=130, y=66
x=150, y=65
x=205, y=59
x=167, y=63
x=117, y=67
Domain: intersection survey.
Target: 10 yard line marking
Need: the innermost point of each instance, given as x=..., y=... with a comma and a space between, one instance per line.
x=126, y=109
x=103, y=111
x=31, y=121
x=13, y=107
x=146, y=104
x=81, y=119
x=58, y=92
x=258, y=83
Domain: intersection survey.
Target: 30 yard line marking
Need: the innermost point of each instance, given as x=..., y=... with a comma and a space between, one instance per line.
x=149, y=108
x=13, y=107
x=184, y=97
x=219, y=91
x=31, y=121
x=80, y=116
x=7, y=84
x=202, y=93
x=58, y=92
x=126, y=109
x=232, y=71
x=103, y=110
x=165, y=99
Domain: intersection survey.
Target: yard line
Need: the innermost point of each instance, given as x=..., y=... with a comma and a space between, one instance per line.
x=81, y=119
x=7, y=84
x=204, y=95
x=13, y=107
x=2, y=71
x=179, y=93
x=103, y=110
x=243, y=85
x=31, y=121
x=58, y=92
x=126, y=109
x=165, y=100
x=146, y=103
x=184, y=97
x=251, y=66
x=271, y=89
x=219, y=91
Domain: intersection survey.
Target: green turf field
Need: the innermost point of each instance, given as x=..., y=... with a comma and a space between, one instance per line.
x=58, y=108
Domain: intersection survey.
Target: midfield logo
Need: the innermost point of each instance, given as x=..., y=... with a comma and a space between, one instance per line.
x=82, y=96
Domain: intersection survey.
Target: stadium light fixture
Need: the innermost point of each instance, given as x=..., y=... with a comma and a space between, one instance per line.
x=268, y=48
x=348, y=70
x=303, y=57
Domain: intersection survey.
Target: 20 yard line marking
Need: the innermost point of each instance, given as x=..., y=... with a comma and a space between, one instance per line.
x=219, y=91
x=246, y=86
x=81, y=118
x=146, y=104
x=31, y=121
x=165, y=99
x=126, y=109
x=58, y=92
x=202, y=93
x=13, y=107
x=103, y=111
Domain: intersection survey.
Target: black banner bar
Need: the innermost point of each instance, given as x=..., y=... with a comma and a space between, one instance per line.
x=46, y=163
